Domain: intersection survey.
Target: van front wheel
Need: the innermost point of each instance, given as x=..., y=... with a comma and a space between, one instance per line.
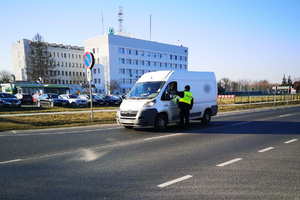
x=206, y=117
x=161, y=123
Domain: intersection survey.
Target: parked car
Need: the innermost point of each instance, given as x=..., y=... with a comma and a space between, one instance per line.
x=51, y=100
x=35, y=96
x=9, y=100
x=74, y=100
x=24, y=98
x=110, y=100
x=96, y=100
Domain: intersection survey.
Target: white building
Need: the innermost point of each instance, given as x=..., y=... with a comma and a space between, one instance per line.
x=68, y=59
x=125, y=59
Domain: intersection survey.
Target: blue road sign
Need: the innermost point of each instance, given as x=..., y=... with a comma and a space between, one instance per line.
x=88, y=60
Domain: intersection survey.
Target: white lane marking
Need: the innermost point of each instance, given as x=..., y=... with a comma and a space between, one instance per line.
x=284, y=115
x=175, y=181
x=290, y=141
x=229, y=162
x=164, y=136
x=10, y=161
x=266, y=149
x=61, y=132
x=239, y=123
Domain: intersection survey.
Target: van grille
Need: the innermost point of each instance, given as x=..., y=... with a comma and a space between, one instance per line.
x=128, y=113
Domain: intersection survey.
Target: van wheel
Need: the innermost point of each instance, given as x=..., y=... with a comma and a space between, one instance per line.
x=161, y=123
x=73, y=104
x=206, y=117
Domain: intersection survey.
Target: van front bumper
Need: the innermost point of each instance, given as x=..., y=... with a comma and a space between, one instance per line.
x=147, y=117
x=143, y=118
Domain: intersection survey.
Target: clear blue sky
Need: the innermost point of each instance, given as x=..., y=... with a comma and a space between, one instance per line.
x=237, y=39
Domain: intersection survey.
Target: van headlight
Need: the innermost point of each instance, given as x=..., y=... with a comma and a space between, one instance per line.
x=150, y=103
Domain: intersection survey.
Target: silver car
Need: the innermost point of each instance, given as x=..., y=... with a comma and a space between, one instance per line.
x=74, y=100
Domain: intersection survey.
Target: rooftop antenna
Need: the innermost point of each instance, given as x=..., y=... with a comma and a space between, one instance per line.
x=102, y=25
x=150, y=26
x=120, y=19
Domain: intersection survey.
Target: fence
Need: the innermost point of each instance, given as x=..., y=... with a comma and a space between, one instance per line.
x=240, y=100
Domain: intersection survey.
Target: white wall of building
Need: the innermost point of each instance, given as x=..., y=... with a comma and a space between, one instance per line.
x=68, y=61
x=125, y=59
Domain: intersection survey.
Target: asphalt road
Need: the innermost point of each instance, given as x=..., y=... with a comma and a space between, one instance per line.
x=240, y=155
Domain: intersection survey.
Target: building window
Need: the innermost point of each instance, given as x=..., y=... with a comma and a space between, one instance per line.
x=95, y=80
x=153, y=55
x=142, y=53
x=94, y=51
x=159, y=55
x=98, y=70
x=95, y=71
x=70, y=73
x=141, y=62
x=135, y=62
x=128, y=51
x=128, y=71
x=121, y=50
x=121, y=80
x=128, y=61
x=147, y=53
x=99, y=80
x=121, y=71
x=165, y=56
x=147, y=63
x=128, y=81
x=62, y=73
x=135, y=52
x=121, y=60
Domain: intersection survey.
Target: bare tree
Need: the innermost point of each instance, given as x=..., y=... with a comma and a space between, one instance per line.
x=40, y=65
x=5, y=76
x=114, y=85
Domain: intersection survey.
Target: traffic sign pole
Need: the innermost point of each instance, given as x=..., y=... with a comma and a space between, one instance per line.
x=89, y=61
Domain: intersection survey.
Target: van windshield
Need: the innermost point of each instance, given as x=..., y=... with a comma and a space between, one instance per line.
x=145, y=90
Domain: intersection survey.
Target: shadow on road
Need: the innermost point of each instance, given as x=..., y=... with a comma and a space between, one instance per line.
x=236, y=127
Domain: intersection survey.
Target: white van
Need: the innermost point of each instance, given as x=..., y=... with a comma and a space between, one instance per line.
x=152, y=100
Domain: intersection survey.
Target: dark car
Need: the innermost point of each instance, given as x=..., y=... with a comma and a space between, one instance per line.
x=111, y=100
x=9, y=100
x=51, y=100
x=24, y=98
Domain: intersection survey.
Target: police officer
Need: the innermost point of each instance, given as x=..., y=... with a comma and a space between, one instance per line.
x=185, y=104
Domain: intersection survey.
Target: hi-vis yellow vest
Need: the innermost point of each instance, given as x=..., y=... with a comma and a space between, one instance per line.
x=187, y=98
